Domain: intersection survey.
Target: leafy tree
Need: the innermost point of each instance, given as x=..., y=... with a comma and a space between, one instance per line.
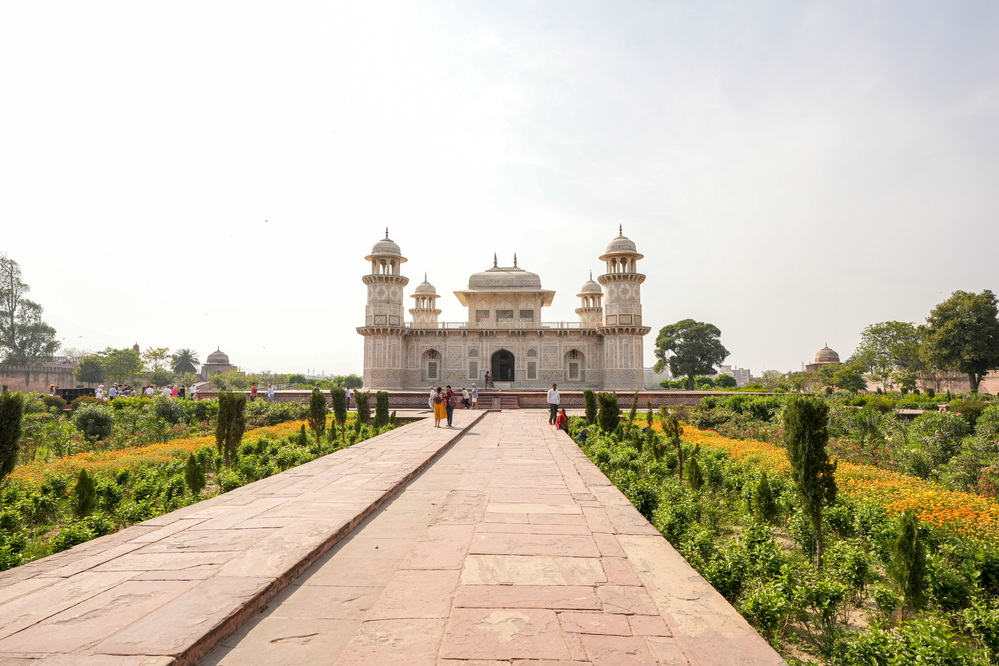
x=155, y=358
x=962, y=334
x=297, y=379
x=11, y=412
x=381, y=409
x=90, y=370
x=726, y=381
x=121, y=365
x=230, y=425
x=231, y=379
x=161, y=377
x=775, y=379
x=590, y=398
x=350, y=381
x=317, y=414
x=764, y=504
x=184, y=361
x=889, y=351
x=849, y=378
x=805, y=437
x=24, y=337
x=690, y=348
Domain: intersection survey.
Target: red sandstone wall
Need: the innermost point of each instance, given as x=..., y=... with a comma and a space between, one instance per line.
x=36, y=378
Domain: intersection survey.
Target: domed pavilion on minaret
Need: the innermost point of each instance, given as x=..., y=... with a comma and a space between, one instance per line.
x=505, y=332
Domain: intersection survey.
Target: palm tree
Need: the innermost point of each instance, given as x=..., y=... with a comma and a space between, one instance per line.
x=185, y=360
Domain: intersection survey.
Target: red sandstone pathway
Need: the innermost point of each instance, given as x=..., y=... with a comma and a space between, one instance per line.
x=512, y=549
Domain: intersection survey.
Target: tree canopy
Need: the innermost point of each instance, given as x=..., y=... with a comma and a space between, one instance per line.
x=690, y=348
x=962, y=334
x=890, y=352
x=185, y=361
x=24, y=337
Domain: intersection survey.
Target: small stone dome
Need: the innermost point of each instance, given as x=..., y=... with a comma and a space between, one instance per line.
x=499, y=278
x=621, y=244
x=826, y=355
x=590, y=287
x=425, y=289
x=386, y=246
x=217, y=357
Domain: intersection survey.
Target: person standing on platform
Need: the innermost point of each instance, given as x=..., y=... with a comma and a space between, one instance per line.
x=553, y=401
x=440, y=412
x=465, y=400
x=270, y=393
x=449, y=404
x=346, y=390
x=475, y=396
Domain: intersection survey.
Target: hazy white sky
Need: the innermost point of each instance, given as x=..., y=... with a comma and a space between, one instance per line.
x=193, y=174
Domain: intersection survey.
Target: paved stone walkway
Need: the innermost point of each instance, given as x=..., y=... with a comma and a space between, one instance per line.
x=511, y=549
x=167, y=590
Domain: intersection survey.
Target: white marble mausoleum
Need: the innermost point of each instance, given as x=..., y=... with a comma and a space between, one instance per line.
x=505, y=332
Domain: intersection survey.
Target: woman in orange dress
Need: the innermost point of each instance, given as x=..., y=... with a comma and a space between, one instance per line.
x=440, y=409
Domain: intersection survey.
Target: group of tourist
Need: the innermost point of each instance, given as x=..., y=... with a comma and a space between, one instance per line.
x=126, y=391
x=442, y=402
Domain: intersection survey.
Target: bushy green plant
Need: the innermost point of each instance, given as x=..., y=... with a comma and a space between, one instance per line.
x=170, y=410
x=94, y=421
x=231, y=424
x=317, y=414
x=764, y=504
x=362, y=400
x=767, y=608
x=939, y=434
x=907, y=567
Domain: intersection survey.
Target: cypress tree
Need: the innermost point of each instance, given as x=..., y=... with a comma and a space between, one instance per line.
x=805, y=437
x=231, y=425
x=340, y=410
x=381, y=409
x=764, y=504
x=317, y=414
x=634, y=409
x=908, y=561
x=84, y=494
x=194, y=476
x=694, y=476
x=591, y=406
x=363, y=401
x=673, y=431
x=11, y=412
x=609, y=416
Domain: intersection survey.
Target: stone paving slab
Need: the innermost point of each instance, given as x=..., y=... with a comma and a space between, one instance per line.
x=512, y=549
x=167, y=590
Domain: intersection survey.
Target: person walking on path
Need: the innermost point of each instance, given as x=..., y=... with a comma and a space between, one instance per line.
x=464, y=397
x=270, y=393
x=253, y=392
x=430, y=400
x=346, y=390
x=553, y=401
x=475, y=396
x=449, y=404
x=440, y=412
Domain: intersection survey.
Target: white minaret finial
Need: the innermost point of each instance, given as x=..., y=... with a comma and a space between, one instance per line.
x=386, y=233
x=424, y=277
x=495, y=264
x=514, y=259
x=591, y=275
x=620, y=231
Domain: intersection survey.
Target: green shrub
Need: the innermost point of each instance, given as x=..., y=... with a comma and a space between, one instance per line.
x=231, y=424
x=229, y=479
x=317, y=414
x=362, y=401
x=11, y=412
x=381, y=409
x=767, y=608
x=907, y=567
x=170, y=410
x=94, y=421
x=939, y=433
x=764, y=504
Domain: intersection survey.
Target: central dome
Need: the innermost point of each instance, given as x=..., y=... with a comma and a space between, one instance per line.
x=503, y=278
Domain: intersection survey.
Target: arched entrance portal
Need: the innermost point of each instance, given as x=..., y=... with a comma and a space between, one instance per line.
x=502, y=366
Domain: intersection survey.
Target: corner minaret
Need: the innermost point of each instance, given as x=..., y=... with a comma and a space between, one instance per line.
x=383, y=316
x=622, y=314
x=590, y=310
x=425, y=310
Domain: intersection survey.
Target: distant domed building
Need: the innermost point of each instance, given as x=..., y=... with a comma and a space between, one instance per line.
x=824, y=356
x=504, y=333
x=217, y=362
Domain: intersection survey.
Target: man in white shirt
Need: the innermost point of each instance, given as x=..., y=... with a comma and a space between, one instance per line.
x=553, y=401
